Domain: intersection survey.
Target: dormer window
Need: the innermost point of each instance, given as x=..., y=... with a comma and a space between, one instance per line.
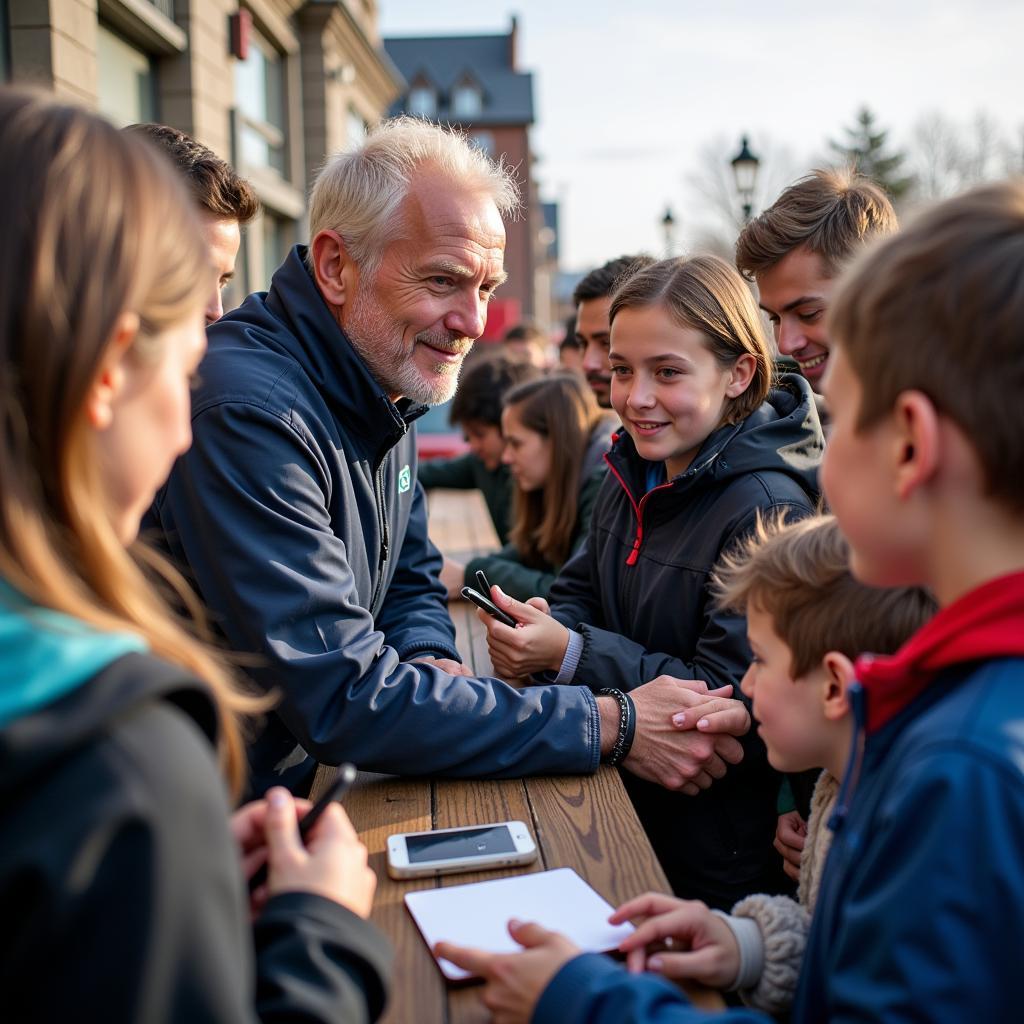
x=422, y=99
x=467, y=100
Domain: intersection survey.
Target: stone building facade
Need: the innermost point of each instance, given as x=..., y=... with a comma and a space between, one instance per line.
x=271, y=85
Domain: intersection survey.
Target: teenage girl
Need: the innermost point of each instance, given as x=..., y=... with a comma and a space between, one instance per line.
x=122, y=876
x=555, y=439
x=707, y=445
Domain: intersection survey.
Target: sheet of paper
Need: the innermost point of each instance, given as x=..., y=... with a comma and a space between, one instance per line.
x=477, y=914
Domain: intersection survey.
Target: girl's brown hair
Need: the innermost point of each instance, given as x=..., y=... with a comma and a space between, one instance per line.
x=99, y=225
x=562, y=408
x=705, y=293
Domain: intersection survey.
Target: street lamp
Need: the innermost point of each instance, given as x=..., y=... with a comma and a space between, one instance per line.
x=668, y=225
x=744, y=167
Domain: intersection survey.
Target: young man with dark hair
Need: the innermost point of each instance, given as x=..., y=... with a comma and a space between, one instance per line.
x=795, y=250
x=476, y=408
x=226, y=202
x=593, y=299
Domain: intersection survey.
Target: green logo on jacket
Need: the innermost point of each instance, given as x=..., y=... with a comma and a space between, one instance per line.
x=404, y=480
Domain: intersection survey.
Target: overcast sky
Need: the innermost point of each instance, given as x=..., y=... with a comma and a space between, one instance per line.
x=630, y=96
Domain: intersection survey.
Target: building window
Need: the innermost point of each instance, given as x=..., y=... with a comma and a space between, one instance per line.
x=467, y=102
x=355, y=128
x=260, y=96
x=126, y=79
x=422, y=101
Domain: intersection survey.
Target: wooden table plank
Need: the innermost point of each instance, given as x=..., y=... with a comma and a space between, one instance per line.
x=379, y=806
x=590, y=826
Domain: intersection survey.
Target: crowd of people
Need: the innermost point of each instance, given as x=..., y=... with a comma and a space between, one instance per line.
x=787, y=603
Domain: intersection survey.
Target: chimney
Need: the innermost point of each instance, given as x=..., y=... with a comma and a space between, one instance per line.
x=513, y=33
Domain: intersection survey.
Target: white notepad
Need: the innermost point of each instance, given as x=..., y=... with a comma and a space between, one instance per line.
x=477, y=914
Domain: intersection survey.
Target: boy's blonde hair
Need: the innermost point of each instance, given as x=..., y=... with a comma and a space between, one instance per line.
x=940, y=309
x=831, y=212
x=798, y=573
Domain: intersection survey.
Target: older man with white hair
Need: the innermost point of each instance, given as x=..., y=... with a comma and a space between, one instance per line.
x=297, y=512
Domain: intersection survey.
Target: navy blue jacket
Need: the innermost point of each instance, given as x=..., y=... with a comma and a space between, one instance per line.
x=638, y=593
x=298, y=517
x=920, y=915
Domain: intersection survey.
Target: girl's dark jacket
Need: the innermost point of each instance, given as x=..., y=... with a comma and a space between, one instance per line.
x=638, y=592
x=120, y=883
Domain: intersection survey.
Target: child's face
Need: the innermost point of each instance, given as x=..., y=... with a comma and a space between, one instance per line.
x=485, y=442
x=789, y=711
x=795, y=293
x=527, y=453
x=859, y=475
x=667, y=387
x=150, y=422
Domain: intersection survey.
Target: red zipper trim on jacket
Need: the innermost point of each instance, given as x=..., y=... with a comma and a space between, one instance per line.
x=638, y=510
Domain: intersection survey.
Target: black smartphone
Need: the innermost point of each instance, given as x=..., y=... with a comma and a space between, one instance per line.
x=338, y=788
x=488, y=606
x=483, y=583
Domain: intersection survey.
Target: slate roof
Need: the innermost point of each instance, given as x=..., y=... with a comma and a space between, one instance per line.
x=445, y=61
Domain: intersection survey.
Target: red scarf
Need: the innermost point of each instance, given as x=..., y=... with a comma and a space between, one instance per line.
x=987, y=622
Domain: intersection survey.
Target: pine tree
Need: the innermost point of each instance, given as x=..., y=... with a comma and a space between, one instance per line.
x=866, y=150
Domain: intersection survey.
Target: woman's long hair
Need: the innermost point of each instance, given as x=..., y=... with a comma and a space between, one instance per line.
x=98, y=225
x=561, y=408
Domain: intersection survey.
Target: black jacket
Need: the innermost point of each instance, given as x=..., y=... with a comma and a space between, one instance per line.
x=638, y=592
x=298, y=516
x=120, y=882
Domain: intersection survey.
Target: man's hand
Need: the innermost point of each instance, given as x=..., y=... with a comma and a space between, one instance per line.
x=453, y=668
x=515, y=981
x=678, y=939
x=453, y=576
x=536, y=644
x=790, y=837
x=688, y=761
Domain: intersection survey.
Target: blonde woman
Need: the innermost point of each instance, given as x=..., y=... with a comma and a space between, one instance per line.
x=121, y=883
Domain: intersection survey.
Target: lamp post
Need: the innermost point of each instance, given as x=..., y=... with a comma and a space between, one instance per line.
x=744, y=167
x=668, y=225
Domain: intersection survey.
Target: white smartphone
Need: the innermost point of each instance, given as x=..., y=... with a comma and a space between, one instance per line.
x=444, y=851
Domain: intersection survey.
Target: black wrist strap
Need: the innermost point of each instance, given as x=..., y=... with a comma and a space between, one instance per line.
x=627, y=725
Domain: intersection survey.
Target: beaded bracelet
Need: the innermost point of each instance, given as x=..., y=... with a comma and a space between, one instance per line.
x=627, y=725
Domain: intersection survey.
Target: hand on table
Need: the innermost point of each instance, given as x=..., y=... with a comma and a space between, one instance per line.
x=687, y=759
x=678, y=939
x=515, y=981
x=331, y=864
x=537, y=644
x=790, y=837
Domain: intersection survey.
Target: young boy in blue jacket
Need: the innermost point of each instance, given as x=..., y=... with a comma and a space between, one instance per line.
x=920, y=914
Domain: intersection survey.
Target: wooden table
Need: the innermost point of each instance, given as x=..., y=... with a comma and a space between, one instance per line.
x=583, y=822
